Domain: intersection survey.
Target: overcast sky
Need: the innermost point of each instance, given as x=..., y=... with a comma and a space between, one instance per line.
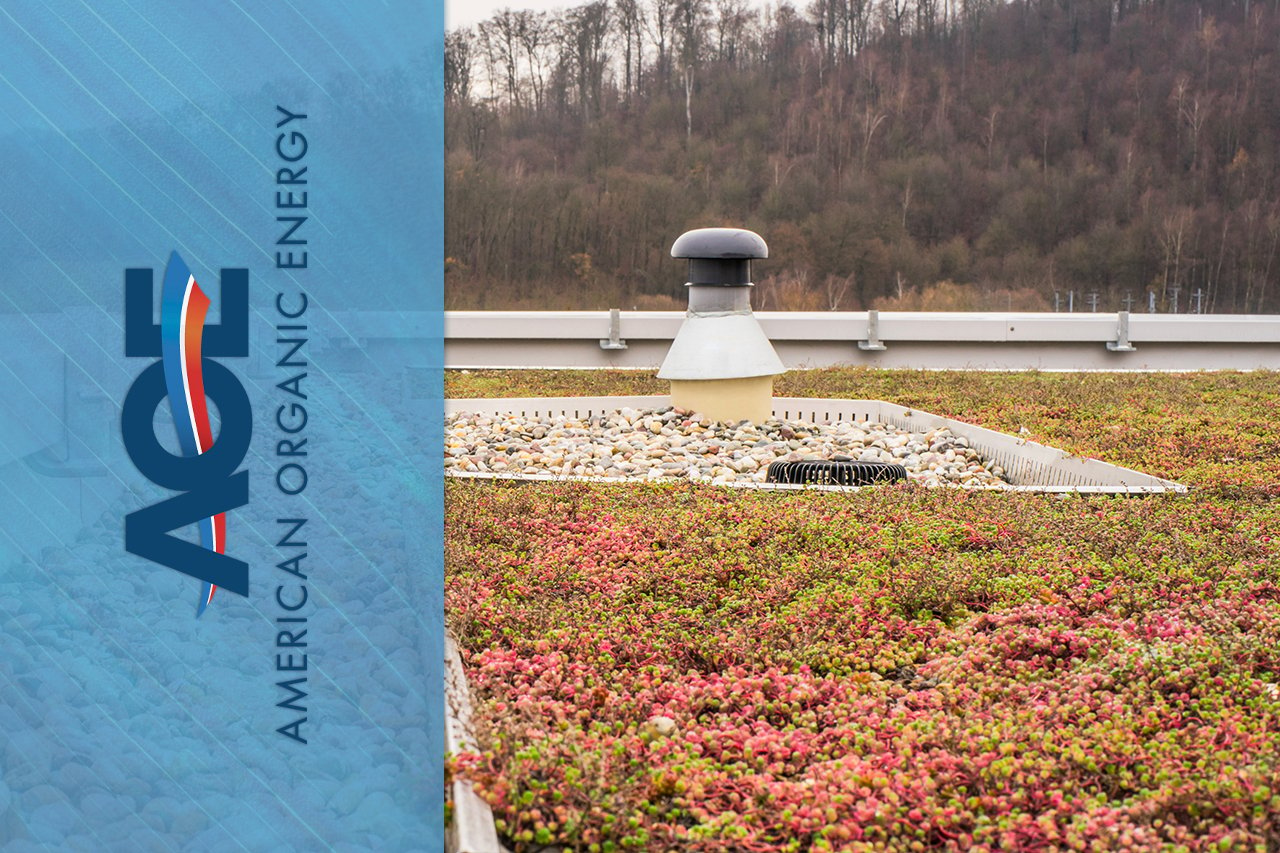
x=465, y=13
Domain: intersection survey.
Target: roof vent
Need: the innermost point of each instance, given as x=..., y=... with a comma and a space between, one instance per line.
x=721, y=363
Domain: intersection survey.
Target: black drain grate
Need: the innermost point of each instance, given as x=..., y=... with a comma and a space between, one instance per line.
x=829, y=473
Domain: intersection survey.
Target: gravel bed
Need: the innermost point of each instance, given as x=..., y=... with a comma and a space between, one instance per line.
x=675, y=444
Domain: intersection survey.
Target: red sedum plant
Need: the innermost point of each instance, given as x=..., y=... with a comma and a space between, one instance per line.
x=681, y=667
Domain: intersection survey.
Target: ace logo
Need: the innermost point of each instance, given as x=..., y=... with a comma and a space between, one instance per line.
x=204, y=471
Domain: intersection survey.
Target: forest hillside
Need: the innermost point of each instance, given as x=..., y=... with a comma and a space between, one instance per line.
x=900, y=154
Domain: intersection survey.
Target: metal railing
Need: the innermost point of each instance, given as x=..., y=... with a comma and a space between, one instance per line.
x=928, y=340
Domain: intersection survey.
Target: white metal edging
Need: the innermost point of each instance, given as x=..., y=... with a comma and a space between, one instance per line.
x=1027, y=463
x=472, y=829
x=1029, y=466
x=792, y=487
x=577, y=407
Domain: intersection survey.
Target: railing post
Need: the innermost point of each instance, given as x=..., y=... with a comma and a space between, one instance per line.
x=1121, y=343
x=872, y=343
x=614, y=341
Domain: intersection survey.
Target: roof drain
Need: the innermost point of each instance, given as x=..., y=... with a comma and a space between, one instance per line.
x=827, y=473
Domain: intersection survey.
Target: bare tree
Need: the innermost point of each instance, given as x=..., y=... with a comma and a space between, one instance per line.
x=837, y=289
x=691, y=31
x=457, y=65
x=989, y=133
x=871, y=121
x=631, y=27
x=501, y=36
x=732, y=17
x=534, y=33
x=660, y=31
x=1173, y=240
x=588, y=31
x=1193, y=111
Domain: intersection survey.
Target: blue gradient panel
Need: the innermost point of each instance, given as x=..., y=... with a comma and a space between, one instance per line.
x=131, y=130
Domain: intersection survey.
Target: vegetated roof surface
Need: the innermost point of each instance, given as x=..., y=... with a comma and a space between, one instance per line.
x=689, y=667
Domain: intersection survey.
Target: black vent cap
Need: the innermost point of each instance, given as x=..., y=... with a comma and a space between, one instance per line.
x=720, y=243
x=720, y=255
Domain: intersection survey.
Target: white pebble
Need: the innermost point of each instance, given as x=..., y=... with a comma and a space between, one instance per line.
x=673, y=444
